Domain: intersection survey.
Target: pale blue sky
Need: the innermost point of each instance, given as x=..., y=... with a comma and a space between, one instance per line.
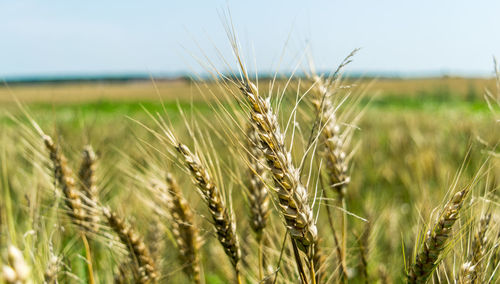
x=96, y=37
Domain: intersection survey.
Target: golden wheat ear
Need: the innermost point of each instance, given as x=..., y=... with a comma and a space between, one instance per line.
x=16, y=271
x=257, y=191
x=336, y=113
x=472, y=268
x=88, y=186
x=223, y=220
x=64, y=178
x=331, y=146
x=144, y=269
x=290, y=192
x=221, y=215
x=122, y=276
x=184, y=230
x=436, y=239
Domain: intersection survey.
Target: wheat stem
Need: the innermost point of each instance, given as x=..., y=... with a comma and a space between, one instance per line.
x=88, y=256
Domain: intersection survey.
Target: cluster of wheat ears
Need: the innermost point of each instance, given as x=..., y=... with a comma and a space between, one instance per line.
x=299, y=220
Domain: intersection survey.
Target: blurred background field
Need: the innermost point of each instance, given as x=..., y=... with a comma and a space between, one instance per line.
x=420, y=89
x=70, y=101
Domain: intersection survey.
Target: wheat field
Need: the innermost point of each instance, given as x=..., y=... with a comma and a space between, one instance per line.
x=309, y=179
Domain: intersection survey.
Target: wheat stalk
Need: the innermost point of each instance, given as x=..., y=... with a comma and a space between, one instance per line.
x=291, y=193
x=331, y=151
x=363, y=252
x=319, y=261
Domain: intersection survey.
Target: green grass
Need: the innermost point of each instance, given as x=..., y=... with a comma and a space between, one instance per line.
x=106, y=108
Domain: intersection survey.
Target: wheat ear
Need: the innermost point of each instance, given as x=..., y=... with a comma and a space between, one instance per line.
x=223, y=221
x=184, y=230
x=64, y=177
x=292, y=195
x=155, y=239
x=331, y=145
x=53, y=267
x=471, y=269
x=144, y=267
x=436, y=240
x=331, y=150
x=122, y=275
x=52, y=270
x=88, y=185
x=257, y=196
x=17, y=270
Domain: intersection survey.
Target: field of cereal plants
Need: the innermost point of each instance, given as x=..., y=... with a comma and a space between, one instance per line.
x=310, y=179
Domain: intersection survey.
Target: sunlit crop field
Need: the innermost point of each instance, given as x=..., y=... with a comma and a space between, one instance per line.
x=418, y=143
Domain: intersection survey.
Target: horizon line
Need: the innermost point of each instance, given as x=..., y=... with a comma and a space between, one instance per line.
x=124, y=76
